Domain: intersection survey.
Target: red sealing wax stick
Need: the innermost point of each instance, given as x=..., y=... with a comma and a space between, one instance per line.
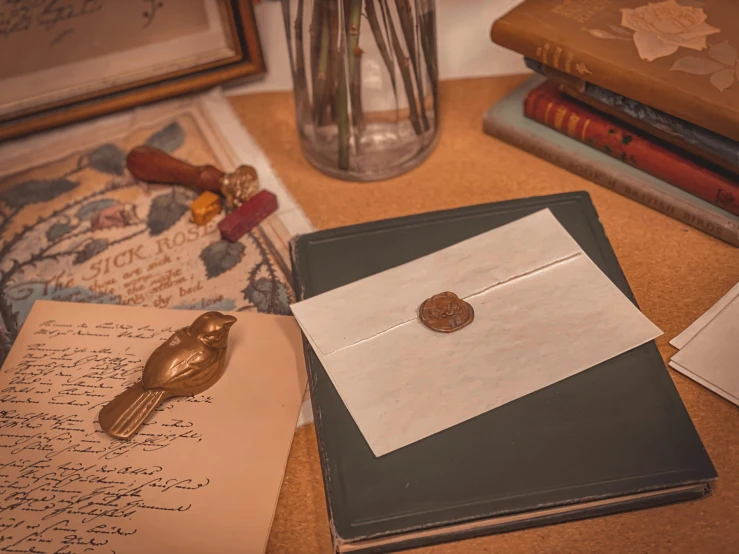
x=247, y=216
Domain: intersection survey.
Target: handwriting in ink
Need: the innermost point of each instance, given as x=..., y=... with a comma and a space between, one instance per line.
x=65, y=486
x=18, y=16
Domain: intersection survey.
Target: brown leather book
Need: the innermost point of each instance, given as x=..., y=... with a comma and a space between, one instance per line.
x=678, y=57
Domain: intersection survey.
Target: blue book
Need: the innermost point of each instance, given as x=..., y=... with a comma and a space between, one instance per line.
x=707, y=144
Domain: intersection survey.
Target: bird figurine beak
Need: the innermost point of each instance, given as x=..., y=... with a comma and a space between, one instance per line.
x=219, y=337
x=189, y=362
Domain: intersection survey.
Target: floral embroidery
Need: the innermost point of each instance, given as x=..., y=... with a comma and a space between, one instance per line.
x=660, y=29
x=723, y=65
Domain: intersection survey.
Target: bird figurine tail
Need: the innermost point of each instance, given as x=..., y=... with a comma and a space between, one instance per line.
x=123, y=415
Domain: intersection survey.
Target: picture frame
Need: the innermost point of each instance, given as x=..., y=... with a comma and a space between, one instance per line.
x=64, y=62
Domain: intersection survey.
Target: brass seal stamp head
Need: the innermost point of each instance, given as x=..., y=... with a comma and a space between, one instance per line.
x=239, y=185
x=445, y=312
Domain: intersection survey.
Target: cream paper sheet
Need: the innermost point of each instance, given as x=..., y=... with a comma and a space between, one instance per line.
x=543, y=312
x=709, y=351
x=203, y=475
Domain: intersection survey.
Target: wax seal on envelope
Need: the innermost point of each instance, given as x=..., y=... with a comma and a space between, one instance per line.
x=445, y=312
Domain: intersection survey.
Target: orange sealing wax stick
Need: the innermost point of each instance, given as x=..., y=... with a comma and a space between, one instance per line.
x=205, y=207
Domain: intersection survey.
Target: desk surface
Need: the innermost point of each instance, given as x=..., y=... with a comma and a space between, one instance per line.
x=675, y=272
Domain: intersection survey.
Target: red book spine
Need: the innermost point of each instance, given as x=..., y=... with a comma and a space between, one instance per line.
x=550, y=107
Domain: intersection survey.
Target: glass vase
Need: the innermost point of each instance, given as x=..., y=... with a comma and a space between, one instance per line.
x=365, y=84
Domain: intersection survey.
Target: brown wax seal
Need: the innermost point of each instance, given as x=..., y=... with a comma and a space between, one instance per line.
x=445, y=312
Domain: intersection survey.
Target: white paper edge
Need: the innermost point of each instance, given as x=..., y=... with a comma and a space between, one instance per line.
x=707, y=384
x=235, y=137
x=681, y=340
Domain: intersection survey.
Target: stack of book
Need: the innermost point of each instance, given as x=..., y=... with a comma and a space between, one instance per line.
x=640, y=97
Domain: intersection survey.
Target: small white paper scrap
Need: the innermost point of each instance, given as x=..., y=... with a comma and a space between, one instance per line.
x=543, y=312
x=709, y=351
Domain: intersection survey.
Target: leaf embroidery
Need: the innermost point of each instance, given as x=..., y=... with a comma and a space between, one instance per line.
x=166, y=210
x=723, y=79
x=89, y=210
x=696, y=65
x=34, y=192
x=169, y=139
x=723, y=68
x=58, y=230
x=724, y=53
x=107, y=158
x=92, y=248
x=269, y=296
x=221, y=256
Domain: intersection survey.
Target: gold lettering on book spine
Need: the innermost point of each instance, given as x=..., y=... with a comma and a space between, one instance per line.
x=545, y=53
x=572, y=124
x=584, y=129
x=559, y=117
x=557, y=54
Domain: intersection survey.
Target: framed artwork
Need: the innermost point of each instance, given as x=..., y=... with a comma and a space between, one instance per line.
x=63, y=61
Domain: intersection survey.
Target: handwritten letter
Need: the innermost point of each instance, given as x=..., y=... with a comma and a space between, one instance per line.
x=204, y=472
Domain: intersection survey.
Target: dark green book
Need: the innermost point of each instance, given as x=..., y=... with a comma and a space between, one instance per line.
x=615, y=437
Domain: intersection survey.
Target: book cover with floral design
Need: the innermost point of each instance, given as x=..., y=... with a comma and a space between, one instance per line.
x=679, y=56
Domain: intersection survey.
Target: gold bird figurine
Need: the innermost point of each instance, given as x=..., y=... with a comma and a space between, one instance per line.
x=189, y=362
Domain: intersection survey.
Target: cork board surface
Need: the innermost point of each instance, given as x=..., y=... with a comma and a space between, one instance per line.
x=675, y=271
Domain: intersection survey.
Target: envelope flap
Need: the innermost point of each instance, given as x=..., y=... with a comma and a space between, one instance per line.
x=358, y=311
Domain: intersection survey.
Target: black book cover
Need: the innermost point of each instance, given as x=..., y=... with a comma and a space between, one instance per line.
x=615, y=437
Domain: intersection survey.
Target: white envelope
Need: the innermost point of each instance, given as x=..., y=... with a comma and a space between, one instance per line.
x=709, y=351
x=699, y=324
x=543, y=312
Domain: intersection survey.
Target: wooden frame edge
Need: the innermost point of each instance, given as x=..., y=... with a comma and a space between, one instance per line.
x=204, y=79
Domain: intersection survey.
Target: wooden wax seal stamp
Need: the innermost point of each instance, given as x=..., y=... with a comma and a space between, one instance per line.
x=445, y=312
x=189, y=362
x=156, y=166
